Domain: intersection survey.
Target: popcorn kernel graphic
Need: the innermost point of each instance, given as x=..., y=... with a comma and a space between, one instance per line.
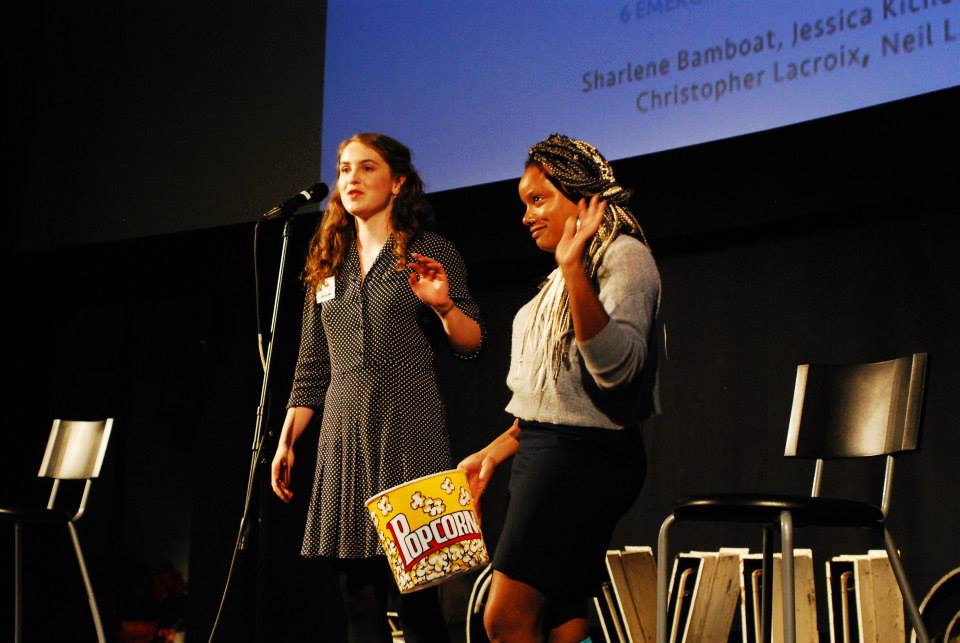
x=416, y=500
x=438, y=560
x=434, y=507
x=447, y=485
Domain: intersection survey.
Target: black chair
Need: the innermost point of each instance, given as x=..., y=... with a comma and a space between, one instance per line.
x=851, y=411
x=75, y=451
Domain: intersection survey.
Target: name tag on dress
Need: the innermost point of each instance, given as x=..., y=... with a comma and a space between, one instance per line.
x=327, y=290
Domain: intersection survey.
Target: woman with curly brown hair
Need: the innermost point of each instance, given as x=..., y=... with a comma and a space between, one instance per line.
x=382, y=292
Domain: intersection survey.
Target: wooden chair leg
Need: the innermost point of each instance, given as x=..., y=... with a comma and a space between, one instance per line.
x=766, y=580
x=787, y=575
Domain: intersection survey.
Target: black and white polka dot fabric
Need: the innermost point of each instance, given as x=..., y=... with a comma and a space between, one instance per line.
x=366, y=362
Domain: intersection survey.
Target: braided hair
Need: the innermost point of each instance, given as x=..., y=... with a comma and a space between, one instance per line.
x=578, y=171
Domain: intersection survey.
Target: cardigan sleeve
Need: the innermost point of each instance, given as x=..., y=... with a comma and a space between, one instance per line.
x=629, y=291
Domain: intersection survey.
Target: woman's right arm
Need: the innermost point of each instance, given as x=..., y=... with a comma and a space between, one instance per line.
x=297, y=420
x=310, y=380
x=480, y=466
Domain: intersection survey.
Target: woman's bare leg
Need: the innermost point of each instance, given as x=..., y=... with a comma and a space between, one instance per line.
x=514, y=611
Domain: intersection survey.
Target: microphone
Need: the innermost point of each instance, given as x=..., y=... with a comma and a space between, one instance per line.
x=314, y=193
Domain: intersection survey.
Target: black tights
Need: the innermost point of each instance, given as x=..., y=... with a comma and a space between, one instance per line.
x=368, y=591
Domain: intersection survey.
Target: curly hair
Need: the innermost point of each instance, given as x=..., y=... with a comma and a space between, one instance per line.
x=410, y=213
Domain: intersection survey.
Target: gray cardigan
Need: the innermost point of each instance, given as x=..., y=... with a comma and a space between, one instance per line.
x=609, y=380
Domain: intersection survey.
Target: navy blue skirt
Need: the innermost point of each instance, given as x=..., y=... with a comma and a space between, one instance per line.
x=568, y=488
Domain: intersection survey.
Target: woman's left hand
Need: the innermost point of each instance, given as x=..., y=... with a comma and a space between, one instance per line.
x=569, y=251
x=479, y=468
x=428, y=281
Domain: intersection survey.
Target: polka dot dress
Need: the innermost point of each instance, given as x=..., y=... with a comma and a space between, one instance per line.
x=366, y=362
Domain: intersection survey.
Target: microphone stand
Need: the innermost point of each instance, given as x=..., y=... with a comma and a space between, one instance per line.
x=258, y=438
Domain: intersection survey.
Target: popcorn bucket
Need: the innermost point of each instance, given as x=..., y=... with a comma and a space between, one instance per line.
x=429, y=529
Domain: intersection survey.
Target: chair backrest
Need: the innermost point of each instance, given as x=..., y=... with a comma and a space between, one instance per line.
x=75, y=449
x=857, y=410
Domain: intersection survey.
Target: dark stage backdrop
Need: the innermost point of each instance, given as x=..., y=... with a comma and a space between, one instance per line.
x=828, y=241
x=152, y=118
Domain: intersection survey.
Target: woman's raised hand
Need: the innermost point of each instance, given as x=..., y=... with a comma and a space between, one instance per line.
x=428, y=281
x=574, y=241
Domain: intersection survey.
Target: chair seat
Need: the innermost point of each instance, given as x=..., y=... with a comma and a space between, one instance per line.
x=33, y=514
x=766, y=509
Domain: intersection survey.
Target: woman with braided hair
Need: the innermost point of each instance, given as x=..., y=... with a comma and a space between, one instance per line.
x=583, y=377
